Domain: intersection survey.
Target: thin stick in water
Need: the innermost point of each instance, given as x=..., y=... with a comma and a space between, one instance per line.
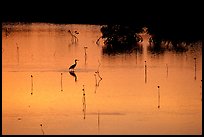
x=85, y=48
x=42, y=129
x=17, y=52
x=31, y=84
x=74, y=38
x=167, y=70
x=201, y=90
x=61, y=83
x=99, y=64
x=145, y=72
x=85, y=54
x=97, y=42
x=98, y=121
x=158, y=97
x=97, y=81
x=97, y=72
x=84, y=102
x=195, y=69
x=96, y=85
x=136, y=56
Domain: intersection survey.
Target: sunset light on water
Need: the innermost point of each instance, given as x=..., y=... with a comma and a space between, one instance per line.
x=128, y=93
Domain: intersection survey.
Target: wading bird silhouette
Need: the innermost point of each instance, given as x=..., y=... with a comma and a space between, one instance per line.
x=71, y=68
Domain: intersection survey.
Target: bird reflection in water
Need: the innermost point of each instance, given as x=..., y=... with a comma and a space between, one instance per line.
x=84, y=103
x=72, y=73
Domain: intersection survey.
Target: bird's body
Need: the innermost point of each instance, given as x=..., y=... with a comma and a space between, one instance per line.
x=71, y=68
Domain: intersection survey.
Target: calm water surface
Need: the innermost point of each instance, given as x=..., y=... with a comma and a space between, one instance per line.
x=165, y=97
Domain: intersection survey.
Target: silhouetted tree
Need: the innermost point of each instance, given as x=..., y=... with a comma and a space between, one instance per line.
x=120, y=38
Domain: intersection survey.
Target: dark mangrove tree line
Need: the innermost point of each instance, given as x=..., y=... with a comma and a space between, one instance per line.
x=167, y=33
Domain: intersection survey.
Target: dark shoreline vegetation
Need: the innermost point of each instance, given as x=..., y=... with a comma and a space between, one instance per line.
x=176, y=33
x=125, y=39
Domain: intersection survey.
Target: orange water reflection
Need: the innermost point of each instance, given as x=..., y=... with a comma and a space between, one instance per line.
x=119, y=103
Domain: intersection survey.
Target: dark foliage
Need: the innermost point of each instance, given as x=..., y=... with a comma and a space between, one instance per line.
x=120, y=38
x=165, y=33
